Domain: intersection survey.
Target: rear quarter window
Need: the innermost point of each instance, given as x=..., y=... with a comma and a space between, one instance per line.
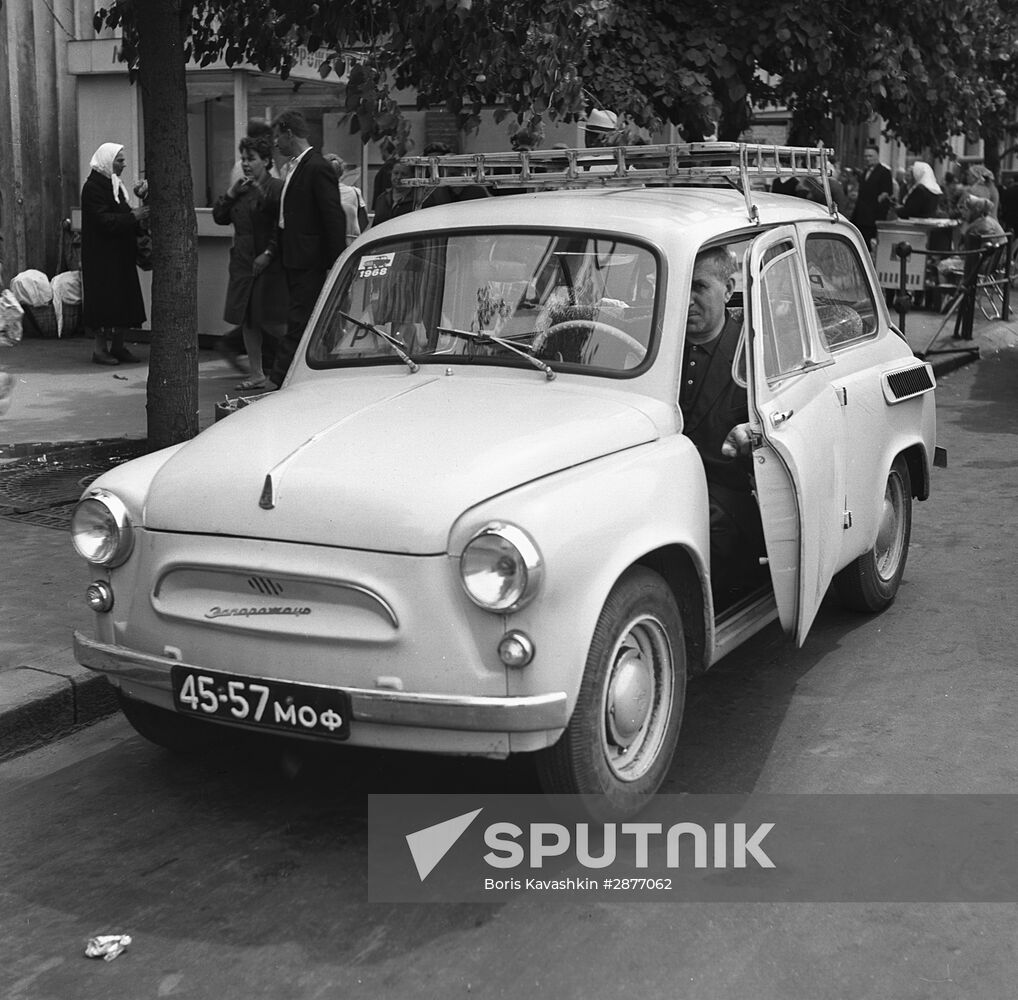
x=842, y=296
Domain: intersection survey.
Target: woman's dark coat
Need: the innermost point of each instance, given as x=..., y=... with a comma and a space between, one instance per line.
x=921, y=203
x=111, y=292
x=260, y=302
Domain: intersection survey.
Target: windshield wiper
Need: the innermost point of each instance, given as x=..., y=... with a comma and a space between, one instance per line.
x=397, y=345
x=490, y=338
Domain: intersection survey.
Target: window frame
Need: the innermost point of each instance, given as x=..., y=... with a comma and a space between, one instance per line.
x=812, y=232
x=389, y=242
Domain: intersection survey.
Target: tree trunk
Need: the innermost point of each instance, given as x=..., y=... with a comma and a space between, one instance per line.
x=173, y=364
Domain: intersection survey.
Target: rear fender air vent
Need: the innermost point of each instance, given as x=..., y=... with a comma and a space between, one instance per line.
x=907, y=383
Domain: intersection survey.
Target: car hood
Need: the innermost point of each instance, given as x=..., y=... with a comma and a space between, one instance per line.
x=382, y=462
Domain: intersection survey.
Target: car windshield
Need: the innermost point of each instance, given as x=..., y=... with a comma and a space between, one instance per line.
x=574, y=302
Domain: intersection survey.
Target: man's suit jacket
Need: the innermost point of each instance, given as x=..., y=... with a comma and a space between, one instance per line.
x=868, y=208
x=314, y=232
x=719, y=404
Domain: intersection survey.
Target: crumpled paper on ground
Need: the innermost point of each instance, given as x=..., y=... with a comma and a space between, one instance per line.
x=107, y=946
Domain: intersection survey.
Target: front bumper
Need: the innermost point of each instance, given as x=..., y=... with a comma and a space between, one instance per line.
x=526, y=714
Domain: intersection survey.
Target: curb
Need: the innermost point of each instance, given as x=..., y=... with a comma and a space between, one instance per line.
x=39, y=706
x=73, y=450
x=944, y=366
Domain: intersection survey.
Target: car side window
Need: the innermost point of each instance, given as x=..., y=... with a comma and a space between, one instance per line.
x=783, y=323
x=842, y=296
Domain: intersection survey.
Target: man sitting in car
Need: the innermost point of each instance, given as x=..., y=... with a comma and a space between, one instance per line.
x=715, y=413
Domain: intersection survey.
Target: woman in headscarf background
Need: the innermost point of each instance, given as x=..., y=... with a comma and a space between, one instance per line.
x=923, y=198
x=982, y=185
x=111, y=293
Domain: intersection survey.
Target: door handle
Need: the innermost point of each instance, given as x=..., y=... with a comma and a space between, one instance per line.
x=777, y=419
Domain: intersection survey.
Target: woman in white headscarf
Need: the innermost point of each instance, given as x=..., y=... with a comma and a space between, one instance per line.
x=982, y=185
x=111, y=293
x=924, y=196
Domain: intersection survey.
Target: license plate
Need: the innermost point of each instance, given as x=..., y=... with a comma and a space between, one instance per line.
x=267, y=704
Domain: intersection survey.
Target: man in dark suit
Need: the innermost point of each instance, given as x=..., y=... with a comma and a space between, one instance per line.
x=874, y=197
x=311, y=230
x=715, y=414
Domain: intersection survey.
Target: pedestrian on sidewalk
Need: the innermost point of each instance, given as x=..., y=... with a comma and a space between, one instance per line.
x=874, y=197
x=256, y=296
x=111, y=293
x=311, y=229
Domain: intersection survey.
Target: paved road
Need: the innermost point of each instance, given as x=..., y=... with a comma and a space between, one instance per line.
x=245, y=876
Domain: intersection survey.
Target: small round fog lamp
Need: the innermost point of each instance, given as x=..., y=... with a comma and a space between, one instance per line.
x=99, y=596
x=516, y=649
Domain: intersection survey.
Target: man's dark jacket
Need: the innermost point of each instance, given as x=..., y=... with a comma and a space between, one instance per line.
x=314, y=234
x=868, y=208
x=718, y=405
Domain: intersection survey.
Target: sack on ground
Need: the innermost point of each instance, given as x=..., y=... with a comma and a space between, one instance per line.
x=11, y=313
x=67, y=302
x=40, y=321
x=32, y=288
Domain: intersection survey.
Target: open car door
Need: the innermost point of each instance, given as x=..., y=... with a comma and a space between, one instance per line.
x=799, y=425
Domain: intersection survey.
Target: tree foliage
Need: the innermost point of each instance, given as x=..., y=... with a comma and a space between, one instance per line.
x=930, y=68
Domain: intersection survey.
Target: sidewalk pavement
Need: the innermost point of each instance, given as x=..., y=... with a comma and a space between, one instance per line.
x=65, y=405
x=69, y=413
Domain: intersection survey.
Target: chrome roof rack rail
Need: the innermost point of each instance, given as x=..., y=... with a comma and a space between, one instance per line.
x=693, y=163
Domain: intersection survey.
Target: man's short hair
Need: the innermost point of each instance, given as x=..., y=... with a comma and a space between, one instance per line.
x=292, y=121
x=257, y=127
x=720, y=261
x=260, y=145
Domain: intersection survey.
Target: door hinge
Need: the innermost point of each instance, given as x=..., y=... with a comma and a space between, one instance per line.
x=846, y=520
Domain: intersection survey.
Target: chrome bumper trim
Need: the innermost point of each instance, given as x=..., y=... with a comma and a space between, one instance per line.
x=529, y=714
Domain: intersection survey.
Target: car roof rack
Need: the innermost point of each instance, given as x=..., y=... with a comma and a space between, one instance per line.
x=692, y=163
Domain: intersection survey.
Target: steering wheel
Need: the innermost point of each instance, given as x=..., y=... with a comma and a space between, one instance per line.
x=589, y=326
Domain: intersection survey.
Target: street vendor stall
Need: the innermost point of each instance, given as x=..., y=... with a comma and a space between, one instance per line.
x=921, y=234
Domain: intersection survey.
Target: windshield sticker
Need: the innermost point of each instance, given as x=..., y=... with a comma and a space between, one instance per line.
x=375, y=266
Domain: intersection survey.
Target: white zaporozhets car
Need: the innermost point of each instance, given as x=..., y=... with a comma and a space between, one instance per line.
x=470, y=523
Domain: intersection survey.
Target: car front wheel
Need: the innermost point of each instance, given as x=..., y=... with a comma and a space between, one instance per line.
x=870, y=583
x=168, y=729
x=619, y=743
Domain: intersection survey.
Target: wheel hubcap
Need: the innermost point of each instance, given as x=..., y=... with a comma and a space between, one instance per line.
x=637, y=698
x=630, y=695
x=891, y=530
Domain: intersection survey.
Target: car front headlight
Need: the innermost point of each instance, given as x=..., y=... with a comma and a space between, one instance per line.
x=101, y=529
x=501, y=568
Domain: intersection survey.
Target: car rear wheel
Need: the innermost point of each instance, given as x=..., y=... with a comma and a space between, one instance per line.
x=168, y=729
x=870, y=583
x=619, y=743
